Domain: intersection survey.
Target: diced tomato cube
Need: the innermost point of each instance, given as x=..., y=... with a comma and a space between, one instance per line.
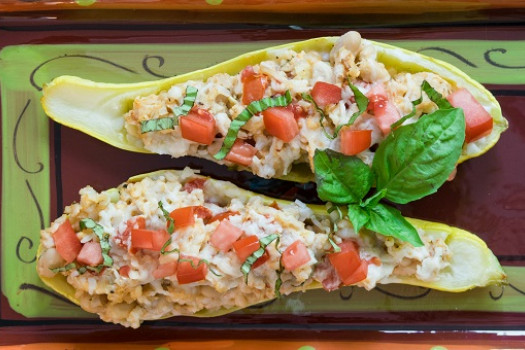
x=326, y=93
x=478, y=122
x=141, y=238
x=193, y=184
x=224, y=235
x=158, y=238
x=183, y=217
x=136, y=222
x=66, y=241
x=165, y=270
x=90, y=254
x=296, y=255
x=358, y=275
x=124, y=271
x=355, y=141
x=347, y=262
x=245, y=247
x=191, y=269
x=254, y=85
x=280, y=122
x=241, y=153
x=385, y=111
x=198, y=126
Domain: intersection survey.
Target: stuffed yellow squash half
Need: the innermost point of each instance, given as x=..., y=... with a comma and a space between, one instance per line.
x=268, y=110
x=176, y=243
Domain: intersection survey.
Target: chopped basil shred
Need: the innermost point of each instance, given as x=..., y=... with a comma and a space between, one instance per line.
x=264, y=242
x=167, y=123
x=279, y=281
x=68, y=267
x=201, y=261
x=252, y=109
x=435, y=96
x=166, y=245
x=409, y=115
x=103, y=237
x=187, y=104
x=340, y=214
x=362, y=104
x=169, y=219
x=319, y=110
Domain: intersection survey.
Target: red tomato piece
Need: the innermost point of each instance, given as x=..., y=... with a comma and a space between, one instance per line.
x=66, y=241
x=224, y=235
x=165, y=270
x=245, y=247
x=124, y=271
x=347, y=262
x=183, y=217
x=122, y=238
x=254, y=85
x=90, y=254
x=241, y=153
x=198, y=126
x=478, y=121
x=385, y=112
x=202, y=212
x=280, y=122
x=298, y=111
x=189, y=272
x=325, y=93
x=355, y=141
x=193, y=184
x=158, y=238
x=222, y=216
x=296, y=255
x=142, y=238
x=358, y=275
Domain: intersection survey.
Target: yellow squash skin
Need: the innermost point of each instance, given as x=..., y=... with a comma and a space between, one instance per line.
x=98, y=109
x=473, y=264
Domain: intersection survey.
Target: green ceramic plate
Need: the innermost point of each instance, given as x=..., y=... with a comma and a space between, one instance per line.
x=28, y=173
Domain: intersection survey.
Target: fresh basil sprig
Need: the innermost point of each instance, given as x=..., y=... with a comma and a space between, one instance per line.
x=167, y=123
x=411, y=163
x=103, y=238
x=416, y=159
x=252, y=109
x=264, y=242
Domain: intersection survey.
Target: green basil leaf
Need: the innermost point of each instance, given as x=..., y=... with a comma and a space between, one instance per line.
x=264, y=242
x=388, y=221
x=362, y=104
x=358, y=216
x=341, y=179
x=375, y=198
x=252, y=109
x=103, y=238
x=435, y=96
x=416, y=159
